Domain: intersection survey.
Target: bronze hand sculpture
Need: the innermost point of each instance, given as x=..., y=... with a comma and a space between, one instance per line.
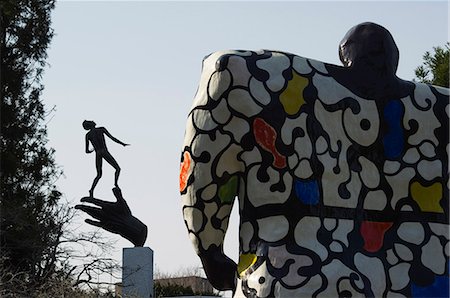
x=115, y=217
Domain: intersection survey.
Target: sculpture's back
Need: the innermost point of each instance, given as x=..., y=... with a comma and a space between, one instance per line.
x=341, y=175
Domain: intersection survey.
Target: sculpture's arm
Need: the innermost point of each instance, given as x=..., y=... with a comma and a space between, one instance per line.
x=207, y=203
x=113, y=138
x=209, y=182
x=87, y=145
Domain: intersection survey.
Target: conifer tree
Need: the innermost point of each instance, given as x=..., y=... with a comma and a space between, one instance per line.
x=30, y=219
x=435, y=67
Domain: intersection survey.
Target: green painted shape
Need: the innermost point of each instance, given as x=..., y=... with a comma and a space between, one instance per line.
x=228, y=191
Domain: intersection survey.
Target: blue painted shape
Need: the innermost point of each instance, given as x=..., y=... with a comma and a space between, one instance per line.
x=393, y=141
x=440, y=288
x=307, y=191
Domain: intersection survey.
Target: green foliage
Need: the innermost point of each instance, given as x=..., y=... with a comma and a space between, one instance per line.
x=171, y=290
x=435, y=68
x=175, y=290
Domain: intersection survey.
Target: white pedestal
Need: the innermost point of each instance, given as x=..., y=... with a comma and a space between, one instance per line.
x=137, y=272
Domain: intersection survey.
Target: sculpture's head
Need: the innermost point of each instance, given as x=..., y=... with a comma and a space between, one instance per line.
x=88, y=124
x=369, y=46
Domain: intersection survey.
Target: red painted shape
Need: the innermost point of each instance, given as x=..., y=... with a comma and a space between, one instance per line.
x=373, y=234
x=265, y=136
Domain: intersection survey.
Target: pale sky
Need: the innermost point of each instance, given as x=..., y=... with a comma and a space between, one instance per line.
x=134, y=67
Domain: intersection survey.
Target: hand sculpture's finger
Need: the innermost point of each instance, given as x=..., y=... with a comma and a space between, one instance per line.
x=121, y=203
x=118, y=194
x=94, y=201
x=94, y=223
x=96, y=213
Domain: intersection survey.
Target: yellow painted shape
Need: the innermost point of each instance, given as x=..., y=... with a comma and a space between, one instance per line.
x=245, y=261
x=292, y=97
x=427, y=197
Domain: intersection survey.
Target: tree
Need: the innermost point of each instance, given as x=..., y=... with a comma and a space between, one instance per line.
x=37, y=248
x=30, y=213
x=172, y=290
x=435, y=68
x=172, y=284
x=32, y=220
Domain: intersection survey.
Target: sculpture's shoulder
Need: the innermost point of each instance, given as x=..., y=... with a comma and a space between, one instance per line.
x=99, y=130
x=428, y=99
x=258, y=61
x=425, y=90
x=244, y=76
x=442, y=94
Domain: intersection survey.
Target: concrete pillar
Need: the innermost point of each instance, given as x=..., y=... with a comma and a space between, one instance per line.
x=137, y=272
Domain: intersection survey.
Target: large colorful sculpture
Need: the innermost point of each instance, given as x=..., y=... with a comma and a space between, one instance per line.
x=341, y=173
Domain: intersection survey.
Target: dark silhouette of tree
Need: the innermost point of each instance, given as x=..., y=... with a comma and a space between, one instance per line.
x=174, y=290
x=435, y=68
x=36, y=247
x=31, y=219
x=169, y=285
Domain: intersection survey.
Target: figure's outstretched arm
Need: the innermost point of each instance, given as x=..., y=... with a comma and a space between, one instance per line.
x=113, y=138
x=210, y=176
x=87, y=146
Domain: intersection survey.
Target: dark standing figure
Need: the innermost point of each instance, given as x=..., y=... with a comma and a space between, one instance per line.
x=96, y=136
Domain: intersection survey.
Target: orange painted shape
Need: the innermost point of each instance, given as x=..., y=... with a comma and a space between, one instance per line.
x=184, y=170
x=373, y=234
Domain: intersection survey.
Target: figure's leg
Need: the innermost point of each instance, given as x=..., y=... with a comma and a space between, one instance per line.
x=98, y=165
x=110, y=159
